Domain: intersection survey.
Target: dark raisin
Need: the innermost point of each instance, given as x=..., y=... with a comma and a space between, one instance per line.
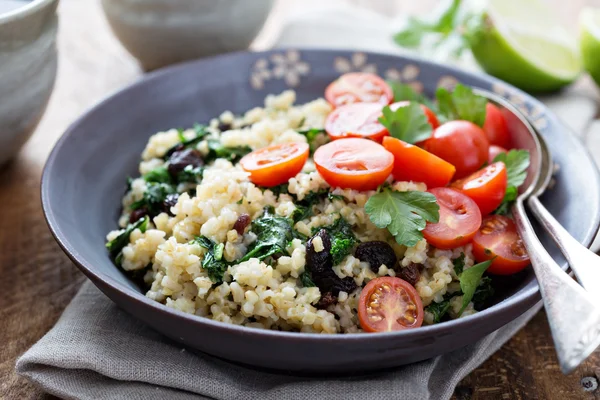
x=169, y=202
x=411, y=273
x=320, y=266
x=376, y=253
x=242, y=222
x=137, y=214
x=224, y=126
x=181, y=159
x=326, y=300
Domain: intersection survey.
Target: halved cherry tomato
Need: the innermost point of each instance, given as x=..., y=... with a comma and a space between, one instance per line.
x=494, y=151
x=412, y=163
x=389, y=304
x=460, y=219
x=431, y=117
x=275, y=164
x=461, y=143
x=356, y=120
x=498, y=238
x=485, y=187
x=359, y=164
x=358, y=87
x=495, y=126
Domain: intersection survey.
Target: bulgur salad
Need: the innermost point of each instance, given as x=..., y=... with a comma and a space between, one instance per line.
x=373, y=209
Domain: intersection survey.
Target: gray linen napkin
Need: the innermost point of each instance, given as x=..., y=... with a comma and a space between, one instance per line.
x=98, y=351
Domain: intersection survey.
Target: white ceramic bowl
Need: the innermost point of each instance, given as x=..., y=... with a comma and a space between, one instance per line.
x=28, y=60
x=163, y=32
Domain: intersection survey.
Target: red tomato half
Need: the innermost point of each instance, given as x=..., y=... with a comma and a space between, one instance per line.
x=356, y=120
x=494, y=151
x=431, y=117
x=461, y=143
x=412, y=163
x=495, y=126
x=389, y=304
x=485, y=187
x=459, y=220
x=498, y=238
x=275, y=164
x=358, y=87
x=359, y=164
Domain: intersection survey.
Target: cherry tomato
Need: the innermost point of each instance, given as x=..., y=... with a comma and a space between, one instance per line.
x=495, y=126
x=431, y=117
x=275, y=164
x=354, y=163
x=459, y=220
x=494, y=151
x=389, y=304
x=412, y=163
x=356, y=120
x=358, y=87
x=461, y=143
x=498, y=238
x=485, y=187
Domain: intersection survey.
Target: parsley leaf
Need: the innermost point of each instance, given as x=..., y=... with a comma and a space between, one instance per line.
x=116, y=245
x=469, y=281
x=517, y=163
x=213, y=261
x=408, y=123
x=442, y=24
x=404, y=214
x=404, y=92
x=459, y=264
x=461, y=104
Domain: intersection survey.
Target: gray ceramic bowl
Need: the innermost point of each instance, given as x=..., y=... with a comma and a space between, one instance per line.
x=28, y=60
x=84, y=180
x=163, y=32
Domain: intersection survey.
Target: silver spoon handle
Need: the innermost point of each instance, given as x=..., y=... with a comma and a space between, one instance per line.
x=584, y=263
x=573, y=315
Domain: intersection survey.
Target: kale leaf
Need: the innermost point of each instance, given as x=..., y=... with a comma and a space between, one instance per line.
x=342, y=239
x=213, y=261
x=272, y=236
x=459, y=264
x=304, y=207
x=311, y=134
x=191, y=174
x=158, y=175
x=439, y=310
x=116, y=245
x=483, y=293
x=470, y=280
x=154, y=197
x=201, y=133
x=306, y=280
x=217, y=150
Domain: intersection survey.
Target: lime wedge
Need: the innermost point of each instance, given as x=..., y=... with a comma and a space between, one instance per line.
x=521, y=42
x=589, y=41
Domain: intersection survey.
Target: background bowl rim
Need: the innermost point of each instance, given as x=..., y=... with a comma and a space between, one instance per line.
x=25, y=10
x=530, y=296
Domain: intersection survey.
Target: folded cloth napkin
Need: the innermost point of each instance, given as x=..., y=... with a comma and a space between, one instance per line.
x=98, y=351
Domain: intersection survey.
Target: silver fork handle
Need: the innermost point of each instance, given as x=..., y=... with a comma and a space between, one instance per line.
x=584, y=263
x=573, y=315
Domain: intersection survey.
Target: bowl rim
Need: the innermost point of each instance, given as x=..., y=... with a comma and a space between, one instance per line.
x=25, y=10
x=530, y=296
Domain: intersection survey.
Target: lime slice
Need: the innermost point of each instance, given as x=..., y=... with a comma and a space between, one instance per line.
x=589, y=41
x=521, y=42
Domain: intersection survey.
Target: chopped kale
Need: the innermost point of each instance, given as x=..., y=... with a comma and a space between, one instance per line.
x=304, y=207
x=459, y=264
x=342, y=239
x=311, y=134
x=116, y=245
x=483, y=293
x=306, y=280
x=279, y=189
x=439, y=310
x=217, y=150
x=190, y=174
x=213, y=261
x=201, y=133
x=272, y=236
x=154, y=197
x=158, y=175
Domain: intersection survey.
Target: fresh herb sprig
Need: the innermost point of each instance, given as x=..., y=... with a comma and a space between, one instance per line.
x=404, y=214
x=517, y=162
x=408, y=123
x=461, y=104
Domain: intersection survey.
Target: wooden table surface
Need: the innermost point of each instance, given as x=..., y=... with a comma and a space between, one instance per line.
x=38, y=281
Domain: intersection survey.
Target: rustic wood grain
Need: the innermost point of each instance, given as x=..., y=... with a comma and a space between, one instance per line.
x=38, y=281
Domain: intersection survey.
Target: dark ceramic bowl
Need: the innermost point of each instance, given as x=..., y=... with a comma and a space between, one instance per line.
x=84, y=180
